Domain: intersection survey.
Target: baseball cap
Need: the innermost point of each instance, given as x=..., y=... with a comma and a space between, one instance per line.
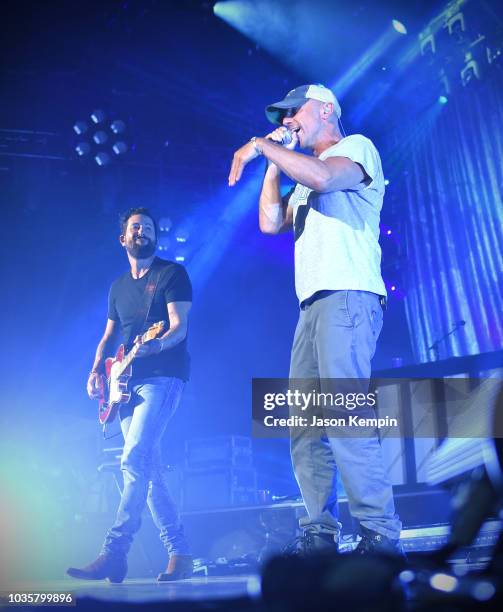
x=299, y=96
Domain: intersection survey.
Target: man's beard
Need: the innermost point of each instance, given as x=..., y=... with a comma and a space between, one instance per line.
x=141, y=251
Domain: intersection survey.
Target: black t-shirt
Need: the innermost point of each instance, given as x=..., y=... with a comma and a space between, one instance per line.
x=125, y=299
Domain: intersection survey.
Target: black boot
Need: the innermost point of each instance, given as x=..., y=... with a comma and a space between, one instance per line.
x=312, y=543
x=111, y=567
x=373, y=542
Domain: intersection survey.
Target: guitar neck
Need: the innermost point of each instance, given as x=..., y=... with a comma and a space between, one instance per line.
x=152, y=333
x=126, y=362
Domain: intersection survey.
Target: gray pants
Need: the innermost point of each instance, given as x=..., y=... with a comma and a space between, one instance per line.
x=336, y=338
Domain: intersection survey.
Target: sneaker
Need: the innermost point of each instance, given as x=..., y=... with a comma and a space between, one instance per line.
x=373, y=542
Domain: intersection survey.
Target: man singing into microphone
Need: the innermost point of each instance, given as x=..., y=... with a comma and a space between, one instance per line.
x=334, y=210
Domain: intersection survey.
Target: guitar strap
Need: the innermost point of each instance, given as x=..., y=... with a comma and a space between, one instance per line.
x=144, y=308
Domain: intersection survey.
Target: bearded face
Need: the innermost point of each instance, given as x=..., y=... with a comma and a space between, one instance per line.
x=140, y=247
x=140, y=239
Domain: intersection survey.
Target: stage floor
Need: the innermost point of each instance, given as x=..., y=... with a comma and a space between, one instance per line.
x=142, y=590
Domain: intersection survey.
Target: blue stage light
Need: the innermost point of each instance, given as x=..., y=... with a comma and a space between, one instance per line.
x=98, y=116
x=80, y=127
x=165, y=224
x=102, y=159
x=118, y=126
x=83, y=148
x=100, y=137
x=386, y=181
x=164, y=243
x=119, y=148
x=443, y=100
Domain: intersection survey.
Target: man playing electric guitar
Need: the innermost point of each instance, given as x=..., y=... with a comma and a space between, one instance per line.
x=152, y=290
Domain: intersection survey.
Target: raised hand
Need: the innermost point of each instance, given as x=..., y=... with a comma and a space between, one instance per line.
x=242, y=156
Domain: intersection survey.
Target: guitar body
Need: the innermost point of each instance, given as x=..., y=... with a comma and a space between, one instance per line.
x=114, y=387
x=118, y=370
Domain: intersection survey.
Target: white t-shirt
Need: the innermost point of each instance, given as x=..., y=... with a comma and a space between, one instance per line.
x=337, y=233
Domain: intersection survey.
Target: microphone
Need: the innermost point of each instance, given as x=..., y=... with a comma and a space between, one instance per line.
x=287, y=137
x=435, y=345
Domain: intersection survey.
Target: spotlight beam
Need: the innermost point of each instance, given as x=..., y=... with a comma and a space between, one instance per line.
x=371, y=55
x=217, y=235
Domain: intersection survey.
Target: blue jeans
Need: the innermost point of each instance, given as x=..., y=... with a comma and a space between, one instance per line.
x=143, y=422
x=336, y=338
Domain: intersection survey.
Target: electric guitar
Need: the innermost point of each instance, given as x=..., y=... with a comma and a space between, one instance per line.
x=113, y=385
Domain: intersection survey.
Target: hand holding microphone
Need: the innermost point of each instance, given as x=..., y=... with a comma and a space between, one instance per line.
x=284, y=136
x=251, y=150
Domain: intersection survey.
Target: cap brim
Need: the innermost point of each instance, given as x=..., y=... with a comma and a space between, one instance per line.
x=275, y=112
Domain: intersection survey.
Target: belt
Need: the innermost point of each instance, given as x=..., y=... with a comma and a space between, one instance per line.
x=318, y=295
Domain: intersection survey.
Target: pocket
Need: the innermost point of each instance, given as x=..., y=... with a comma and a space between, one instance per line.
x=376, y=319
x=353, y=307
x=336, y=310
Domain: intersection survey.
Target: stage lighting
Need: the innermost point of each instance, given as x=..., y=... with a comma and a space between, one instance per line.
x=80, y=127
x=183, y=233
x=102, y=144
x=181, y=252
x=389, y=232
x=120, y=148
x=100, y=137
x=393, y=287
x=493, y=54
x=165, y=224
x=456, y=26
x=163, y=243
x=427, y=43
x=471, y=69
x=443, y=100
x=399, y=27
x=102, y=159
x=83, y=148
x=98, y=116
x=386, y=181
x=445, y=84
x=118, y=126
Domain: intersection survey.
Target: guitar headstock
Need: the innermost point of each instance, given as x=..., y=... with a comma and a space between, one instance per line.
x=153, y=331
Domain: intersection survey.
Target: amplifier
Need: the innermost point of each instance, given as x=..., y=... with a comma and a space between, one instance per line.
x=219, y=487
x=235, y=451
